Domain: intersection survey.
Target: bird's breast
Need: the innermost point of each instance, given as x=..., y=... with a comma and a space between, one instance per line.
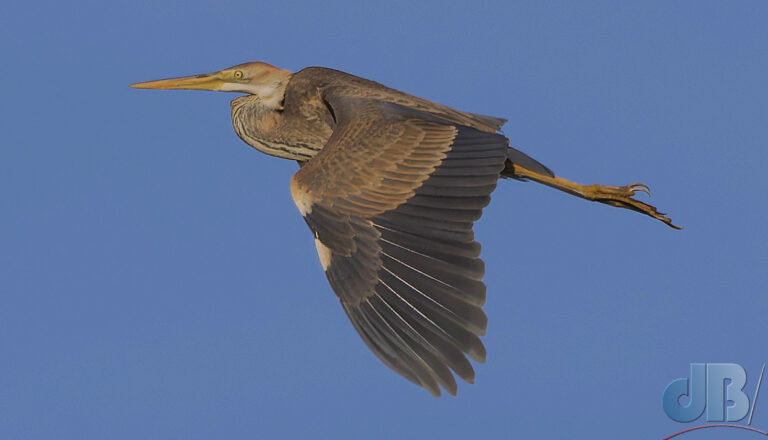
x=287, y=135
x=292, y=151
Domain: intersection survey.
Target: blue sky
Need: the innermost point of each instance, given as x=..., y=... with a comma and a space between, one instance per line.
x=157, y=282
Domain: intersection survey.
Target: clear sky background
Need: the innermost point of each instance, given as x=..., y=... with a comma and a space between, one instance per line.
x=157, y=282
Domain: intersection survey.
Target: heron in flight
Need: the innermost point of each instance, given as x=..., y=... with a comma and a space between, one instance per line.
x=390, y=186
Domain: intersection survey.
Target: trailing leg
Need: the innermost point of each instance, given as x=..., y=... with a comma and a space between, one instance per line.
x=619, y=196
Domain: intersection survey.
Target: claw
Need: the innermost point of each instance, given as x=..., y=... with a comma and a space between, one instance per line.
x=668, y=221
x=651, y=211
x=641, y=187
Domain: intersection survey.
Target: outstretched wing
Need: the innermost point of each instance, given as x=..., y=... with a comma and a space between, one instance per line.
x=391, y=200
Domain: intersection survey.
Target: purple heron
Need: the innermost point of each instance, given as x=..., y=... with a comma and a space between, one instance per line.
x=390, y=186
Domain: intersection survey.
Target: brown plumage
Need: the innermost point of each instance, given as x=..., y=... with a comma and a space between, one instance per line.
x=390, y=185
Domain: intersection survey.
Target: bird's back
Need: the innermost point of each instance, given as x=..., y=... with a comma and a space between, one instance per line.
x=309, y=86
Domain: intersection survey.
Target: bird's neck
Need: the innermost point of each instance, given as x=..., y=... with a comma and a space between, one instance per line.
x=272, y=94
x=263, y=128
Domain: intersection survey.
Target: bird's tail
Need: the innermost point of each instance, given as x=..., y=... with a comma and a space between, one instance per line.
x=518, y=157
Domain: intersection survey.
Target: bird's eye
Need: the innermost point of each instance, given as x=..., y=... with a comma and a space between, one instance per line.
x=238, y=74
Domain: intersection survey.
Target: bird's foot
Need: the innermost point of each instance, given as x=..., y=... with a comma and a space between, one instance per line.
x=622, y=197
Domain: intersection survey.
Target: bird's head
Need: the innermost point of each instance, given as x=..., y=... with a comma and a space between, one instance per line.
x=259, y=79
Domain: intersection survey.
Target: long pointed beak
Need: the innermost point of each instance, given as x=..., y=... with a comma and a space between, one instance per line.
x=206, y=81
